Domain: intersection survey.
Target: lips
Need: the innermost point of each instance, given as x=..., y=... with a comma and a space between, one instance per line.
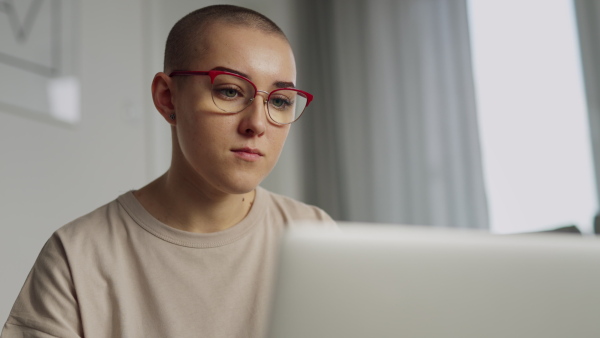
x=248, y=154
x=248, y=150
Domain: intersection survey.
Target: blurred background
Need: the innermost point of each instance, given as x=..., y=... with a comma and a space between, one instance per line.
x=456, y=113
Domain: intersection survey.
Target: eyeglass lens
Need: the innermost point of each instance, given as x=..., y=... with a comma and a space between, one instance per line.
x=232, y=94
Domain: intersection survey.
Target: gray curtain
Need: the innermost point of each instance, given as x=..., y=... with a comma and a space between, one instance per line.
x=392, y=134
x=588, y=14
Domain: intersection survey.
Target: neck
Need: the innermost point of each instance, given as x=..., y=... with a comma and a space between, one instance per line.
x=184, y=206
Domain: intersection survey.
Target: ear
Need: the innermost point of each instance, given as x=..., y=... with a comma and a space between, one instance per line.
x=162, y=96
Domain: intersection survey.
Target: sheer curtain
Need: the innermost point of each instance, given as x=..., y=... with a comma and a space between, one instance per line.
x=588, y=14
x=392, y=135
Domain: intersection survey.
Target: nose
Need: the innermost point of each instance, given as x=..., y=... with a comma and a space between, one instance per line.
x=254, y=119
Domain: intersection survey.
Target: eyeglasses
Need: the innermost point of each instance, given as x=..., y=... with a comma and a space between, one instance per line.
x=233, y=93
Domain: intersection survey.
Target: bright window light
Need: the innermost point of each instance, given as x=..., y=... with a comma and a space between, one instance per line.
x=532, y=114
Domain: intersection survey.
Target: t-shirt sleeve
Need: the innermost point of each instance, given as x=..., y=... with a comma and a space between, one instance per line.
x=325, y=219
x=47, y=304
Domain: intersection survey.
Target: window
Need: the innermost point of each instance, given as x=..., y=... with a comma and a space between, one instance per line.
x=532, y=114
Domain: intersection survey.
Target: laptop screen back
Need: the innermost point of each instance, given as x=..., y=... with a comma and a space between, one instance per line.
x=393, y=281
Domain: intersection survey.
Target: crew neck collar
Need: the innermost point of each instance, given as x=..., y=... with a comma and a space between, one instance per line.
x=191, y=239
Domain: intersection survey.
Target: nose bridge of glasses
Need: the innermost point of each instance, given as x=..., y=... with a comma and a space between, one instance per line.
x=264, y=101
x=263, y=92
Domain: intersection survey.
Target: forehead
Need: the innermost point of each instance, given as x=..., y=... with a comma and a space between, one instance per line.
x=246, y=49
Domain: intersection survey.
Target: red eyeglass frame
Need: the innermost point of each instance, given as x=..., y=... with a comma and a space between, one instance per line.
x=214, y=73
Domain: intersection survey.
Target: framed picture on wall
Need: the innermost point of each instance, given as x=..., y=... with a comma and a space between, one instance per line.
x=39, y=59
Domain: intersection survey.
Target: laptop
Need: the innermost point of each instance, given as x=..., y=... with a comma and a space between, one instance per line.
x=370, y=280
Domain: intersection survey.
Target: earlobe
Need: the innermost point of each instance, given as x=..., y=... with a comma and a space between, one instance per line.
x=162, y=96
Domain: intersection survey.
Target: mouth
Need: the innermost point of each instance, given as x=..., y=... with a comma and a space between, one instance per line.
x=248, y=154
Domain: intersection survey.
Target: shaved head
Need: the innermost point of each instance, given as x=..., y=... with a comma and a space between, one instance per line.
x=186, y=40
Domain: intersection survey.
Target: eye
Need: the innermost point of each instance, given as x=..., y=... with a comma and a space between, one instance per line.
x=229, y=93
x=277, y=102
x=280, y=103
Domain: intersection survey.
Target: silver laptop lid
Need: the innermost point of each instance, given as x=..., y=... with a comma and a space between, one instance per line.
x=393, y=281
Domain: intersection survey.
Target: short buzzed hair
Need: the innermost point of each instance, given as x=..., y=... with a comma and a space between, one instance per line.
x=185, y=39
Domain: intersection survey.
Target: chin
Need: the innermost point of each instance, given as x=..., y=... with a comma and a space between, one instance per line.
x=242, y=186
x=241, y=190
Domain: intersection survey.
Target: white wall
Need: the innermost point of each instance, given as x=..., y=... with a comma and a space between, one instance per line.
x=51, y=173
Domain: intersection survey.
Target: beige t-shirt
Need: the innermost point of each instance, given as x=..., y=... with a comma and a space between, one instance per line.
x=119, y=272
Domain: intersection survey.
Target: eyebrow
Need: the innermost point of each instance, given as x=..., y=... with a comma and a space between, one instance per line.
x=277, y=84
x=282, y=84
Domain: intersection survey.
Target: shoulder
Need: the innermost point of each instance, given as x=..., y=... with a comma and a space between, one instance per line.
x=293, y=210
x=48, y=303
x=95, y=232
x=91, y=224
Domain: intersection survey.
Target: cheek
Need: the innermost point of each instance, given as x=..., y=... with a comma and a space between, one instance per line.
x=203, y=133
x=278, y=136
x=200, y=118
